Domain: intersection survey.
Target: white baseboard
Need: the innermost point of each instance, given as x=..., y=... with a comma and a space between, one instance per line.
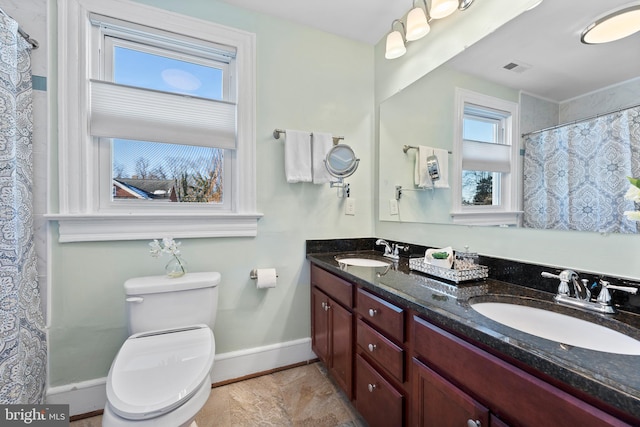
x=238, y=364
x=82, y=397
x=89, y=396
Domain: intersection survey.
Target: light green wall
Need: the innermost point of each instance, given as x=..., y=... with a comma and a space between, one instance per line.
x=607, y=254
x=306, y=79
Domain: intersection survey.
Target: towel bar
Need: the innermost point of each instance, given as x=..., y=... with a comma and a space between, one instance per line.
x=406, y=148
x=277, y=132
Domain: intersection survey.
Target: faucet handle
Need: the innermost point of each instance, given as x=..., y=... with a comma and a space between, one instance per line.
x=605, y=296
x=565, y=277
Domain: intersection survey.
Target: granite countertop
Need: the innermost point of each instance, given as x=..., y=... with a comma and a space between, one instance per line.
x=611, y=378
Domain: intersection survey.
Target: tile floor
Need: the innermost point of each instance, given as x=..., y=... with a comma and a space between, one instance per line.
x=301, y=396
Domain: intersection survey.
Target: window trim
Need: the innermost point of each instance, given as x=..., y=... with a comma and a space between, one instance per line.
x=509, y=212
x=78, y=165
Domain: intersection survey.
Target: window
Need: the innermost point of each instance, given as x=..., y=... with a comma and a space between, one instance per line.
x=163, y=138
x=486, y=160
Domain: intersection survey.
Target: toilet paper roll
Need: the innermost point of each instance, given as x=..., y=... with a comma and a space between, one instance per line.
x=266, y=278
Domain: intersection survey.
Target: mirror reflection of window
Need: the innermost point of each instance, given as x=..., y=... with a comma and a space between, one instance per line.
x=485, y=160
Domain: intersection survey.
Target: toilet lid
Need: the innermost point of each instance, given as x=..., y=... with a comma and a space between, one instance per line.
x=155, y=372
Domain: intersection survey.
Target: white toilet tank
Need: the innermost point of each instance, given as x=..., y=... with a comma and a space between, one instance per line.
x=160, y=302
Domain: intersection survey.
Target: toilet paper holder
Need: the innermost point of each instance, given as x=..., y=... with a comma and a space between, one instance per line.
x=254, y=274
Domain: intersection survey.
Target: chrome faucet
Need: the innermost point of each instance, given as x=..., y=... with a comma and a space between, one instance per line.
x=390, y=251
x=581, y=295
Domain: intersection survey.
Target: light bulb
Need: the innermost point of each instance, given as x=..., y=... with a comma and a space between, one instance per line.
x=395, y=45
x=442, y=8
x=417, y=25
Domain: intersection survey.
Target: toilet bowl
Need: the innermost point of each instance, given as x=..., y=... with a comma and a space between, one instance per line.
x=161, y=377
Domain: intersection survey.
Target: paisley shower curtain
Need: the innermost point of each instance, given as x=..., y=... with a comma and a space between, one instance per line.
x=22, y=336
x=575, y=175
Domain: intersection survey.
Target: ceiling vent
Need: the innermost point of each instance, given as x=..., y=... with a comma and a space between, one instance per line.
x=517, y=67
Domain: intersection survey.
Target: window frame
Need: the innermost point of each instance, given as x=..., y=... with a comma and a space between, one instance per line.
x=106, y=41
x=79, y=217
x=508, y=212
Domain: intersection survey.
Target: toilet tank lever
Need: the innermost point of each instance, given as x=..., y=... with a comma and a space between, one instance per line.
x=135, y=299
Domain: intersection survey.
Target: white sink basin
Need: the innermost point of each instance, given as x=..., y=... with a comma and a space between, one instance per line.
x=363, y=262
x=559, y=327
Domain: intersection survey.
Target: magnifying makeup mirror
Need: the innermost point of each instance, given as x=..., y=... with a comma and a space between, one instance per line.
x=341, y=161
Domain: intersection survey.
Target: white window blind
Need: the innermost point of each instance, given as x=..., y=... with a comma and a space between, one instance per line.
x=483, y=156
x=127, y=112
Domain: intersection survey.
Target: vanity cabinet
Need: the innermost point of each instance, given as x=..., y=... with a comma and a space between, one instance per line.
x=476, y=378
x=408, y=371
x=380, y=393
x=332, y=325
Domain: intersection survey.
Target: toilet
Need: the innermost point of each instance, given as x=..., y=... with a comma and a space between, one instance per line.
x=162, y=374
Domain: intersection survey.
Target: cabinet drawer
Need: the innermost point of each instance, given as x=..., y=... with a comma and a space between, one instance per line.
x=383, y=315
x=380, y=349
x=513, y=394
x=337, y=288
x=376, y=399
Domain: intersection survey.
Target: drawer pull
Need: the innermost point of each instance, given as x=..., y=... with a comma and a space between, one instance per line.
x=371, y=387
x=326, y=306
x=372, y=347
x=372, y=312
x=472, y=423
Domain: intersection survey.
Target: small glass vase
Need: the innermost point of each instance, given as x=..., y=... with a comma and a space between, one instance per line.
x=176, y=267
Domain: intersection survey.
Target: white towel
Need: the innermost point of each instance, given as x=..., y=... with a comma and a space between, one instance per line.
x=421, y=174
x=297, y=156
x=321, y=144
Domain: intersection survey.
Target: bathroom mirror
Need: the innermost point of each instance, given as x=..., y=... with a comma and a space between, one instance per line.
x=341, y=161
x=537, y=60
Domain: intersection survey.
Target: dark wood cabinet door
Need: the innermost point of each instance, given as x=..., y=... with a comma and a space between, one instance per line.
x=437, y=402
x=377, y=400
x=341, y=336
x=319, y=325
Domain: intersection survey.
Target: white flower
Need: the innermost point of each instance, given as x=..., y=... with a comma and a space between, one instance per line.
x=633, y=194
x=633, y=215
x=167, y=246
x=156, y=249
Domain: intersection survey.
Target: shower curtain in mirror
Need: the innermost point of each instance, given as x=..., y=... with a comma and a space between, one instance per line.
x=575, y=175
x=22, y=337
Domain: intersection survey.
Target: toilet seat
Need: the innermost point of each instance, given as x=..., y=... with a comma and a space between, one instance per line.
x=156, y=372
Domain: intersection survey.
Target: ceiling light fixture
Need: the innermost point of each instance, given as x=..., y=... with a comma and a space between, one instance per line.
x=443, y=8
x=417, y=22
x=614, y=26
x=395, y=42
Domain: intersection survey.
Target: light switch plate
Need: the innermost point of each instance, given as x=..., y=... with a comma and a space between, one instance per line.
x=393, y=207
x=350, y=206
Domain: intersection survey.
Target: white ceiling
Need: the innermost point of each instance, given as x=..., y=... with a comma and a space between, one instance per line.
x=547, y=38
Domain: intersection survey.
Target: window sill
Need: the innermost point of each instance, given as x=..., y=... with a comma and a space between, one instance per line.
x=109, y=227
x=486, y=218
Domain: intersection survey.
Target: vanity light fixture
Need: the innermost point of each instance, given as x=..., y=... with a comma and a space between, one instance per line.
x=443, y=8
x=614, y=26
x=418, y=26
x=395, y=42
x=417, y=22
x=464, y=4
